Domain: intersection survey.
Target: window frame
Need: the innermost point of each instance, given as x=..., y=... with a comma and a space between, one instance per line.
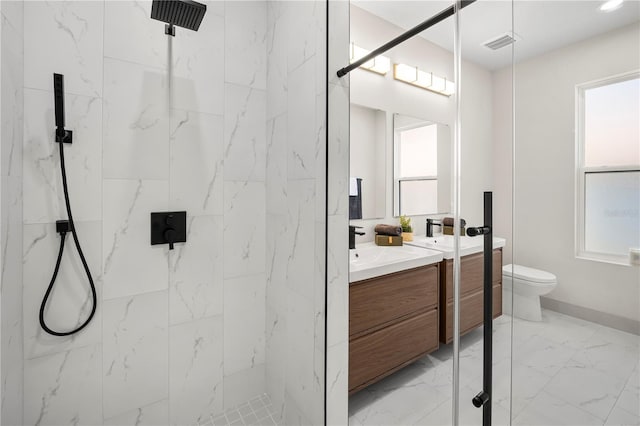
x=581, y=170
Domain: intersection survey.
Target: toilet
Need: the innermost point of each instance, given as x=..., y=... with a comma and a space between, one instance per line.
x=527, y=285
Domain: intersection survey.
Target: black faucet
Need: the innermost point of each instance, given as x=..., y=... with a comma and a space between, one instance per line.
x=352, y=236
x=430, y=224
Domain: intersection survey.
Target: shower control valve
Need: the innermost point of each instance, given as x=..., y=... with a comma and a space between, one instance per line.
x=168, y=228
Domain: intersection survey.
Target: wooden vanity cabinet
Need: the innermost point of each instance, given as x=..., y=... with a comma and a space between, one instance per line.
x=471, y=293
x=393, y=321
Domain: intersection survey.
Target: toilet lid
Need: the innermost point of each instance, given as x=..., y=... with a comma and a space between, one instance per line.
x=529, y=274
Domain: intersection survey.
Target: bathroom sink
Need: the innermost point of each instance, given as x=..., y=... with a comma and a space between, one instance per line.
x=369, y=260
x=444, y=243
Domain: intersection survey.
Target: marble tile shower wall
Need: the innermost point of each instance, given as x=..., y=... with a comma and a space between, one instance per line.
x=159, y=124
x=11, y=124
x=296, y=212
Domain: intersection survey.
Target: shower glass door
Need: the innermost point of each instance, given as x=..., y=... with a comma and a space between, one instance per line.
x=576, y=192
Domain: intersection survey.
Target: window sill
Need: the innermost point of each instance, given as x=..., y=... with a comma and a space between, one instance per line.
x=603, y=258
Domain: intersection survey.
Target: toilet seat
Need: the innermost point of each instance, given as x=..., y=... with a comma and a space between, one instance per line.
x=530, y=275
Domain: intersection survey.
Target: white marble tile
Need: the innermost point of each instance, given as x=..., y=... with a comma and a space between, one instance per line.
x=277, y=73
x=198, y=73
x=242, y=386
x=195, y=370
x=150, y=415
x=196, y=269
x=125, y=241
x=337, y=281
x=277, y=255
x=13, y=11
x=303, y=22
x=43, y=191
x=65, y=38
x=338, y=151
x=70, y=302
x=301, y=254
x=338, y=40
x=131, y=35
x=244, y=133
x=629, y=399
x=244, y=323
x=337, y=383
x=590, y=390
x=620, y=417
x=135, y=120
x=244, y=228
x=11, y=78
x=518, y=389
x=275, y=357
x=64, y=388
x=276, y=165
x=196, y=163
x=611, y=358
x=542, y=354
x=301, y=123
x=135, y=359
x=245, y=43
x=550, y=411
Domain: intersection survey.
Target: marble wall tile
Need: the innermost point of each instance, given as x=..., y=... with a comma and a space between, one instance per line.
x=303, y=24
x=131, y=35
x=43, y=191
x=277, y=73
x=196, y=163
x=13, y=11
x=150, y=415
x=338, y=151
x=196, y=270
x=197, y=57
x=338, y=40
x=244, y=228
x=337, y=281
x=275, y=357
x=68, y=41
x=276, y=165
x=337, y=383
x=125, y=240
x=246, y=42
x=70, y=302
x=301, y=125
x=64, y=388
x=135, y=120
x=277, y=255
x=244, y=322
x=245, y=133
x=301, y=250
x=11, y=80
x=135, y=359
x=244, y=385
x=195, y=370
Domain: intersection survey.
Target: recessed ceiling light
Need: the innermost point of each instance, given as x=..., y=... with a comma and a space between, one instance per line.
x=611, y=5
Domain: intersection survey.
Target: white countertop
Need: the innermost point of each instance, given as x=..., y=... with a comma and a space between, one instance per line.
x=444, y=244
x=368, y=260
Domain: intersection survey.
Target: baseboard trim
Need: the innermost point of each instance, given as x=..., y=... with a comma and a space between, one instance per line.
x=614, y=321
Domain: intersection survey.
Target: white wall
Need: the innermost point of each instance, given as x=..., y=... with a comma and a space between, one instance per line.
x=11, y=111
x=544, y=219
x=162, y=123
x=387, y=94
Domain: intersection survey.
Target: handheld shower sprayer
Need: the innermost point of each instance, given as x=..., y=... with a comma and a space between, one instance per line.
x=65, y=226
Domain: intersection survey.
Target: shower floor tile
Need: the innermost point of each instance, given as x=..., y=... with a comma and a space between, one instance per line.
x=259, y=411
x=566, y=371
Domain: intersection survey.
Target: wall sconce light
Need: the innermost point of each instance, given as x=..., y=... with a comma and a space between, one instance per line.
x=425, y=80
x=380, y=64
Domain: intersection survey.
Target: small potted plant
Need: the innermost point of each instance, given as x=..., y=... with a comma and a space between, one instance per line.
x=407, y=230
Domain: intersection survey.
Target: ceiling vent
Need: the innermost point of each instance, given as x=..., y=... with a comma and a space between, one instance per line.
x=501, y=41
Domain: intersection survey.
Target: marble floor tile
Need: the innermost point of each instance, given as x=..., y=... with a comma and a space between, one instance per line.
x=564, y=371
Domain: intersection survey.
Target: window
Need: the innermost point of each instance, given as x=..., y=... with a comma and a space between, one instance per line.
x=417, y=172
x=608, y=167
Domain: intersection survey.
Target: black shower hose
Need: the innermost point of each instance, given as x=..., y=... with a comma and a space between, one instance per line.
x=72, y=229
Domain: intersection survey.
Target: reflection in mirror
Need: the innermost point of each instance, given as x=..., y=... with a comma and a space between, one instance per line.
x=367, y=163
x=421, y=166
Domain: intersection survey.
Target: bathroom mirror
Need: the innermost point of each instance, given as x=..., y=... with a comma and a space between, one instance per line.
x=421, y=166
x=367, y=163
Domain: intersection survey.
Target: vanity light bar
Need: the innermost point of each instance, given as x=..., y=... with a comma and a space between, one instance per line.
x=380, y=64
x=425, y=80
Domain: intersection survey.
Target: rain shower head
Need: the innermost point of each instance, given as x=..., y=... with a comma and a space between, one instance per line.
x=183, y=13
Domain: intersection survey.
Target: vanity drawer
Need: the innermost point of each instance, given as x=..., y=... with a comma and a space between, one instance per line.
x=382, y=352
x=377, y=302
x=471, y=312
x=472, y=273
